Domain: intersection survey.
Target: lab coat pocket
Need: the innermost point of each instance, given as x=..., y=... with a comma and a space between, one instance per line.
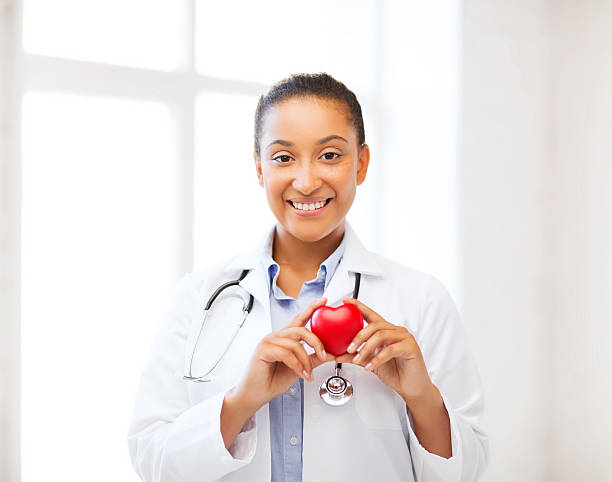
x=375, y=403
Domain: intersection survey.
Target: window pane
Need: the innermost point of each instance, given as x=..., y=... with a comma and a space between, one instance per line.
x=98, y=262
x=138, y=33
x=270, y=39
x=227, y=194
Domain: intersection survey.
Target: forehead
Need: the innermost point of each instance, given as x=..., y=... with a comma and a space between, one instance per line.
x=307, y=118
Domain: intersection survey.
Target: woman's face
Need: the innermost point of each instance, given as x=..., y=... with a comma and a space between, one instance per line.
x=309, y=152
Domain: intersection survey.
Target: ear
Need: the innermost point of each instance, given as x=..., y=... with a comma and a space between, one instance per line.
x=363, y=163
x=258, y=169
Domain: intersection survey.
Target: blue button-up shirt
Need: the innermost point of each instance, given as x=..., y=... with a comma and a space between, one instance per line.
x=287, y=410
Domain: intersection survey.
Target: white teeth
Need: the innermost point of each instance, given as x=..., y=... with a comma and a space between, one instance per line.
x=308, y=207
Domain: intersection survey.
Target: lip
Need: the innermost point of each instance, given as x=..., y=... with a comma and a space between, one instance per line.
x=309, y=200
x=316, y=212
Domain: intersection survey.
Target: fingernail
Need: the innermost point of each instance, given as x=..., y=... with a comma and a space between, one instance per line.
x=356, y=356
x=351, y=347
x=324, y=354
x=368, y=366
x=305, y=373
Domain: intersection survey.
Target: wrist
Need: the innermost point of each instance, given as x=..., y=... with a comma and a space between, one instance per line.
x=431, y=423
x=236, y=397
x=235, y=412
x=428, y=399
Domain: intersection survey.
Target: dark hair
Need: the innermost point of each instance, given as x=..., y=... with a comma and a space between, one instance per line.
x=320, y=85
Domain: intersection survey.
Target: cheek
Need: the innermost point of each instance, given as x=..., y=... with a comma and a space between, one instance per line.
x=274, y=187
x=344, y=182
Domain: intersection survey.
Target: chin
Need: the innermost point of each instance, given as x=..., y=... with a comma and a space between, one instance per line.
x=309, y=233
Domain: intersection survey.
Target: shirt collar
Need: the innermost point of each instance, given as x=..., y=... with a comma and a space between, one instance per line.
x=356, y=258
x=326, y=269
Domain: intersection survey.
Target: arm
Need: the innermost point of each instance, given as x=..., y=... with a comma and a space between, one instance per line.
x=454, y=374
x=235, y=413
x=168, y=438
x=171, y=440
x=431, y=423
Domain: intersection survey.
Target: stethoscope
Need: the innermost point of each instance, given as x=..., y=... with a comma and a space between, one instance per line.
x=335, y=391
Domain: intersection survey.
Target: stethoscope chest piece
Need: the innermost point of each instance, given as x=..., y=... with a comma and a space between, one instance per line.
x=336, y=390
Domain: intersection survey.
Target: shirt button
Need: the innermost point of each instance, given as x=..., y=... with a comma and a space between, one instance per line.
x=293, y=390
x=293, y=440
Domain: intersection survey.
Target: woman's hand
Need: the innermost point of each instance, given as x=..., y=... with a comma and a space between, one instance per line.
x=390, y=352
x=280, y=359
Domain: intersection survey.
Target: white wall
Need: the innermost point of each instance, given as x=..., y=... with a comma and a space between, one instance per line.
x=419, y=100
x=536, y=212
x=10, y=186
x=536, y=231
x=578, y=244
x=505, y=142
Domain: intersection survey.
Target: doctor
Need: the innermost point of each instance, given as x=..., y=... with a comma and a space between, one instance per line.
x=416, y=412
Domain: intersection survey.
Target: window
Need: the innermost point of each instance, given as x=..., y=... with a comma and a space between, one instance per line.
x=128, y=109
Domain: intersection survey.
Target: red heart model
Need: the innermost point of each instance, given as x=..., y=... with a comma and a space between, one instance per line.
x=336, y=327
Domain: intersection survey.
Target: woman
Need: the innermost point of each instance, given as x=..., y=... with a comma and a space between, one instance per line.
x=417, y=405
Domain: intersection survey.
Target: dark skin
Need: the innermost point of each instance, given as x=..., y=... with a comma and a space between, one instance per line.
x=310, y=150
x=294, y=272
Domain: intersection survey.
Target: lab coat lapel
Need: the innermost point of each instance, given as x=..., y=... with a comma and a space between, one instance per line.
x=340, y=285
x=256, y=281
x=356, y=259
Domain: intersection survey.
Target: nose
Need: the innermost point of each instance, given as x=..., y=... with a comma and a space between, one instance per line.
x=307, y=179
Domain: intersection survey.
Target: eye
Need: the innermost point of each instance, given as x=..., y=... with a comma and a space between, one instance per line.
x=330, y=156
x=283, y=158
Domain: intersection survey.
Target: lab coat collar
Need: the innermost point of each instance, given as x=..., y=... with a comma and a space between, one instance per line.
x=356, y=259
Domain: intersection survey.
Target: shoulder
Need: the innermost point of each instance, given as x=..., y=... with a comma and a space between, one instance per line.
x=207, y=277
x=420, y=295
x=429, y=311
x=409, y=278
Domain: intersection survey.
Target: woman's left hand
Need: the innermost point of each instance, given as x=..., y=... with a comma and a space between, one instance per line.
x=391, y=353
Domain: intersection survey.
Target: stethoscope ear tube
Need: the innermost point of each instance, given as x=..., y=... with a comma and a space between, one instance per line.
x=245, y=311
x=218, y=291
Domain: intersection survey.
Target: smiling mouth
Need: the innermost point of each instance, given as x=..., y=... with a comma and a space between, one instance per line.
x=310, y=207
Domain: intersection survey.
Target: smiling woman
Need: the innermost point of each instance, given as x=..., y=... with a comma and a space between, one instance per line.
x=255, y=418
x=315, y=152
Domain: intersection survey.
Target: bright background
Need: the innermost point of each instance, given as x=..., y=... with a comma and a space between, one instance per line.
x=127, y=140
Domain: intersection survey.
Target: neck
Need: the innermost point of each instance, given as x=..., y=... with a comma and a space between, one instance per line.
x=289, y=250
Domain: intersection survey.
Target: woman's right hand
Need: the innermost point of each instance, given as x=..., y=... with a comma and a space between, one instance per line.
x=280, y=359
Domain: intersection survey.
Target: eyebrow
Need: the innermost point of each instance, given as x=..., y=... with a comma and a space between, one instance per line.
x=321, y=141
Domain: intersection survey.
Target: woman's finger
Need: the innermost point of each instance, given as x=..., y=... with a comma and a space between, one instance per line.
x=346, y=358
x=301, y=333
x=378, y=339
x=302, y=318
x=316, y=361
x=362, y=335
x=368, y=313
x=276, y=353
x=298, y=350
x=389, y=352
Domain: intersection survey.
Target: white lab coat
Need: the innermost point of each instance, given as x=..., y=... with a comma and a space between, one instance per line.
x=175, y=430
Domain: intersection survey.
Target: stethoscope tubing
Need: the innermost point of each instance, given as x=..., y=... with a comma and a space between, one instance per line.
x=245, y=312
x=355, y=296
